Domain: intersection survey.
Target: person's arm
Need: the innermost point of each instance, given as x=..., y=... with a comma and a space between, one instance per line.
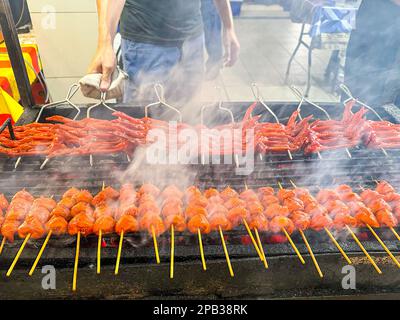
x=231, y=42
x=104, y=62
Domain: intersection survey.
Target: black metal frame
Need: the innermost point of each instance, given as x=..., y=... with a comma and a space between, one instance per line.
x=15, y=53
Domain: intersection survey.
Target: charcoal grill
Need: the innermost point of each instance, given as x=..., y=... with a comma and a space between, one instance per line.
x=140, y=277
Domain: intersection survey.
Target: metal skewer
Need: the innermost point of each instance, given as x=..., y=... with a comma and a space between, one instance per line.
x=347, y=91
x=304, y=99
x=232, y=117
x=73, y=89
x=257, y=95
x=101, y=103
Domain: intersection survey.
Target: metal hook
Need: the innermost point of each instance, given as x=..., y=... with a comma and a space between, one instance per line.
x=304, y=99
x=347, y=91
x=73, y=89
x=161, y=101
x=101, y=103
x=260, y=99
x=220, y=107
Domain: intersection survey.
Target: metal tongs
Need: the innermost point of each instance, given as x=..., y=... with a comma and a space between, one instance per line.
x=347, y=91
x=259, y=98
x=304, y=99
x=73, y=89
x=221, y=108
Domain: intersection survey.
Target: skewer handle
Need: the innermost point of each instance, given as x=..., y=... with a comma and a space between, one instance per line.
x=228, y=260
x=121, y=240
x=293, y=246
x=311, y=254
x=99, y=253
x=155, y=245
x=18, y=255
x=171, y=270
x=345, y=256
x=203, y=259
x=40, y=253
x=78, y=243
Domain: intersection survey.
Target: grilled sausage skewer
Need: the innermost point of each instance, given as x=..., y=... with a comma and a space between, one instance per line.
x=81, y=224
x=306, y=197
x=257, y=219
x=196, y=217
x=238, y=213
x=361, y=215
x=105, y=203
x=125, y=216
x=33, y=225
x=292, y=196
x=57, y=223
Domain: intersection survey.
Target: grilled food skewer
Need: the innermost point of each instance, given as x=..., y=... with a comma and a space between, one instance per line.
x=2, y=245
x=345, y=256
x=311, y=253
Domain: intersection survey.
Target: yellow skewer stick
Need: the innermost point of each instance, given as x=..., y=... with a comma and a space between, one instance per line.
x=155, y=245
x=363, y=250
x=98, y=269
x=203, y=259
x=257, y=245
x=171, y=270
x=290, y=239
x=253, y=240
x=293, y=246
x=261, y=248
x=228, y=260
x=311, y=253
x=384, y=246
x=40, y=252
x=18, y=255
x=345, y=256
x=78, y=243
x=99, y=252
x=3, y=242
x=121, y=239
x=391, y=229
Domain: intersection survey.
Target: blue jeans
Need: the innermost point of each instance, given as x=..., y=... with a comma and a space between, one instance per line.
x=212, y=33
x=180, y=70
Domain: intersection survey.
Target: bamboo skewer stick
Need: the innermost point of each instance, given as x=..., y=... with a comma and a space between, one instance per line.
x=40, y=253
x=290, y=239
x=203, y=260
x=171, y=270
x=3, y=242
x=228, y=260
x=257, y=245
x=391, y=229
x=311, y=253
x=155, y=245
x=261, y=248
x=78, y=243
x=121, y=240
x=384, y=246
x=363, y=249
x=345, y=256
x=253, y=240
x=293, y=246
x=99, y=252
x=18, y=255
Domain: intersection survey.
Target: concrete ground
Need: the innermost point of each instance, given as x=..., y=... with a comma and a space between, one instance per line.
x=268, y=37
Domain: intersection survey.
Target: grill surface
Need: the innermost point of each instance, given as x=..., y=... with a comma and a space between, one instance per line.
x=334, y=168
